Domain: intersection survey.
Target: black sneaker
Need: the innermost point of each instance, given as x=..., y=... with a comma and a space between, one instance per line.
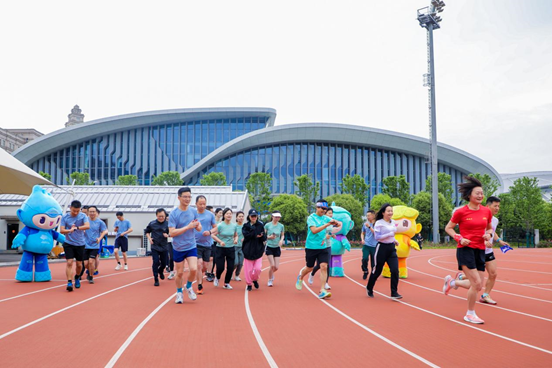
x=162, y=275
x=156, y=283
x=256, y=284
x=396, y=296
x=370, y=293
x=249, y=288
x=365, y=276
x=69, y=286
x=200, y=287
x=89, y=277
x=91, y=280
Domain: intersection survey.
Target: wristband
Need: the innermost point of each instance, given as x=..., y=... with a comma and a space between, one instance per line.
x=458, y=237
x=499, y=240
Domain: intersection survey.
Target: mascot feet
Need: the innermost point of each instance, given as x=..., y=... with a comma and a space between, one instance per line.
x=386, y=272
x=24, y=276
x=43, y=276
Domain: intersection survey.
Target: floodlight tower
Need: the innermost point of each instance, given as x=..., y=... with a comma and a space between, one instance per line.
x=429, y=20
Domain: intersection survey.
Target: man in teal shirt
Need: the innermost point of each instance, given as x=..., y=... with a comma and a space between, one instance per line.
x=315, y=246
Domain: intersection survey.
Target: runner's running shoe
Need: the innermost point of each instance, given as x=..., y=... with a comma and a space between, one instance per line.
x=370, y=293
x=328, y=287
x=237, y=278
x=216, y=282
x=447, y=286
x=487, y=299
x=324, y=294
x=270, y=282
x=69, y=286
x=311, y=279
x=191, y=293
x=171, y=275
x=77, y=283
x=256, y=284
x=299, y=283
x=118, y=267
x=249, y=288
x=126, y=267
x=365, y=275
x=396, y=296
x=179, y=298
x=459, y=276
x=227, y=287
x=473, y=319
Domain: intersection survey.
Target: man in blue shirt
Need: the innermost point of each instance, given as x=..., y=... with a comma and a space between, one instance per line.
x=72, y=226
x=203, y=239
x=183, y=222
x=369, y=242
x=93, y=238
x=123, y=228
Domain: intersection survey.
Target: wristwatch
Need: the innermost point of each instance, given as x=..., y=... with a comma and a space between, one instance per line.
x=77, y=227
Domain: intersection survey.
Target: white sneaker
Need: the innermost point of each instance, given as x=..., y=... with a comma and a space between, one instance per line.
x=270, y=282
x=191, y=293
x=237, y=278
x=328, y=287
x=311, y=279
x=179, y=298
x=171, y=275
x=227, y=286
x=118, y=267
x=216, y=282
x=126, y=267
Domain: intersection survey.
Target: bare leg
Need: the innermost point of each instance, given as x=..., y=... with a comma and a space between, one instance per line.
x=323, y=275
x=491, y=269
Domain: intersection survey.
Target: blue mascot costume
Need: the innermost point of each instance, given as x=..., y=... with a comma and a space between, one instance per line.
x=41, y=214
x=339, y=242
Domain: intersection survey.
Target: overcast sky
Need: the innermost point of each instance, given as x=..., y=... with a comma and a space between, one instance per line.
x=353, y=62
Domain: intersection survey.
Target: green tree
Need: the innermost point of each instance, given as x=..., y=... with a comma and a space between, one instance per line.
x=380, y=199
x=507, y=215
x=79, y=178
x=444, y=186
x=259, y=186
x=527, y=201
x=294, y=213
x=45, y=175
x=215, y=179
x=397, y=187
x=167, y=178
x=357, y=187
x=490, y=185
x=307, y=190
x=127, y=180
x=352, y=205
x=422, y=202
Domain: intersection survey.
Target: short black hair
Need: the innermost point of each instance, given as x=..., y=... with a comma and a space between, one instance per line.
x=119, y=213
x=76, y=204
x=329, y=209
x=200, y=197
x=87, y=207
x=467, y=187
x=159, y=210
x=492, y=199
x=218, y=210
x=238, y=213
x=209, y=208
x=184, y=190
x=94, y=207
x=371, y=211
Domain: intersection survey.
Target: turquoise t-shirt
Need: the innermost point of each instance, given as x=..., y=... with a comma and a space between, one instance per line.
x=226, y=234
x=277, y=230
x=316, y=241
x=240, y=235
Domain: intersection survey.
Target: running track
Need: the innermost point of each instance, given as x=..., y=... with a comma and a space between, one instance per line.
x=123, y=320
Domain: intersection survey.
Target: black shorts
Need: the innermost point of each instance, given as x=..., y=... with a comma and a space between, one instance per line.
x=489, y=257
x=471, y=258
x=122, y=242
x=313, y=255
x=74, y=251
x=276, y=252
x=90, y=253
x=203, y=253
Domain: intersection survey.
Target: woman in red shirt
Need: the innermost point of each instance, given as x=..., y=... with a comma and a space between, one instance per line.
x=474, y=222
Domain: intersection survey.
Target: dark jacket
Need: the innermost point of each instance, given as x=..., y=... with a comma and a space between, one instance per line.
x=253, y=247
x=157, y=229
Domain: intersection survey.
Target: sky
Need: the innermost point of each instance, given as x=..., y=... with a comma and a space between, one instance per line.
x=349, y=62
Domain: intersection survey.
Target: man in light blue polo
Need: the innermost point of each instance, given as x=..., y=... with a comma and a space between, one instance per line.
x=72, y=226
x=123, y=228
x=93, y=237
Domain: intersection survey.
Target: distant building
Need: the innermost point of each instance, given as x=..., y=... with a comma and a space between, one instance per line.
x=12, y=139
x=75, y=117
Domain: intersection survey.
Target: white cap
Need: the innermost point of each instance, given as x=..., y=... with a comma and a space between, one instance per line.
x=276, y=214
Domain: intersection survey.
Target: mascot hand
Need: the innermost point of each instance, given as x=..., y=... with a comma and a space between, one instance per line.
x=18, y=241
x=61, y=238
x=346, y=244
x=414, y=244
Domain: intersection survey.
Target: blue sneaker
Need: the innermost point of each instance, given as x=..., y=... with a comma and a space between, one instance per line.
x=77, y=283
x=299, y=283
x=324, y=294
x=96, y=272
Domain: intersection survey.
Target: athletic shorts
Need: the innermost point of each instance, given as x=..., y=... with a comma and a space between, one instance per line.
x=204, y=253
x=313, y=255
x=74, y=251
x=90, y=253
x=181, y=256
x=122, y=242
x=471, y=258
x=489, y=257
x=276, y=251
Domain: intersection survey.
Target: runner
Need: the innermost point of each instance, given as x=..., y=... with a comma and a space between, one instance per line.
x=253, y=248
x=123, y=228
x=170, y=260
x=226, y=238
x=182, y=223
x=369, y=242
x=329, y=236
x=274, y=240
x=315, y=246
x=72, y=226
x=218, y=220
x=93, y=237
x=157, y=233
x=475, y=224
x=203, y=239
x=384, y=232
x=238, y=261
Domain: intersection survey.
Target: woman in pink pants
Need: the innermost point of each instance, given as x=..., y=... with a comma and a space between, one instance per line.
x=254, y=239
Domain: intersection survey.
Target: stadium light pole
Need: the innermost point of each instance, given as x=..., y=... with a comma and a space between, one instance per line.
x=428, y=19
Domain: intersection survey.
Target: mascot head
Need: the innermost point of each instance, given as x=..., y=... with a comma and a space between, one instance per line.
x=344, y=216
x=406, y=220
x=40, y=211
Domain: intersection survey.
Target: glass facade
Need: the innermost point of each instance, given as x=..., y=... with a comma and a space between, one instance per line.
x=325, y=163
x=145, y=152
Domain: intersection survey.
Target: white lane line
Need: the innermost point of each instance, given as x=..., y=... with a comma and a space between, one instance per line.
x=135, y=333
x=381, y=337
x=460, y=323
x=69, y=307
x=55, y=287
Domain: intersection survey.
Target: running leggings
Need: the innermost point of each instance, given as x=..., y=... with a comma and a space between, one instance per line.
x=159, y=261
x=385, y=252
x=225, y=255
x=252, y=270
x=238, y=260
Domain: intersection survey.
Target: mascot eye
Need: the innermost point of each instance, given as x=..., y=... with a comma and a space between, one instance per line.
x=405, y=223
x=42, y=220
